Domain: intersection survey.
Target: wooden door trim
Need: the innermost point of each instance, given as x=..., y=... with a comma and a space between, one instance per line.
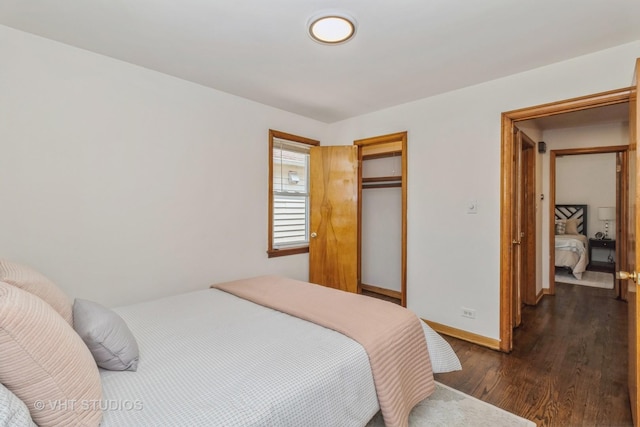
x=506, y=183
x=616, y=96
x=591, y=150
x=376, y=147
x=622, y=218
x=529, y=296
x=633, y=247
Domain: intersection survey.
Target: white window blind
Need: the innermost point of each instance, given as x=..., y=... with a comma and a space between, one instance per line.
x=290, y=193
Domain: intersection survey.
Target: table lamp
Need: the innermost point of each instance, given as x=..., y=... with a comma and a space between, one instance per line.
x=606, y=214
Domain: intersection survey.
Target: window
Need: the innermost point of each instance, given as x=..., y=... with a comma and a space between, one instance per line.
x=288, y=193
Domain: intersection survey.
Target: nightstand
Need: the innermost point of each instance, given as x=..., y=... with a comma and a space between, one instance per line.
x=610, y=246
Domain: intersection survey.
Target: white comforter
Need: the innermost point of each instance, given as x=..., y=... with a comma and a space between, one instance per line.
x=571, y=251
x=208, y=358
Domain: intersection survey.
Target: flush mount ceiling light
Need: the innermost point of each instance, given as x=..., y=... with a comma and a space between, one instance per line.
x=332, y=28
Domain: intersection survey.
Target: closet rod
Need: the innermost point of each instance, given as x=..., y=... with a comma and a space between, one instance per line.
x=382, y=185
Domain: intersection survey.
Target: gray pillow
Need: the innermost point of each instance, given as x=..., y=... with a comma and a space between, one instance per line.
x=110, y=341
x=13, y=411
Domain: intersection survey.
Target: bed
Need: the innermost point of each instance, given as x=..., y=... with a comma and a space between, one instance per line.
x=211, y=357
x=571, y=242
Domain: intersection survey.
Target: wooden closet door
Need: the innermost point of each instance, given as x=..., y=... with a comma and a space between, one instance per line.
x=333, y=240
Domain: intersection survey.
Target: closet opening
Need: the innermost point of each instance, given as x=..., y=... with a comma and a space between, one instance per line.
x=382, y=210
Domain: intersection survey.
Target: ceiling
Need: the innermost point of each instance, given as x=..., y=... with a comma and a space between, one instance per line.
x=404, y=50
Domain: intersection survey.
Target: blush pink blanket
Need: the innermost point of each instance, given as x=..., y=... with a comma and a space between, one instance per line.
x=391, y=335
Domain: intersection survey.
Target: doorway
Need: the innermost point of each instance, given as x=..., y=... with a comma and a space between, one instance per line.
x=508, y=183
x=617, y=200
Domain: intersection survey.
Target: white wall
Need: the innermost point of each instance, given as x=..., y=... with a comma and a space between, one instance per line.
x=381, y=252
x=588, y=179
x=454, y=156
x=116, y=180
x=123, y=184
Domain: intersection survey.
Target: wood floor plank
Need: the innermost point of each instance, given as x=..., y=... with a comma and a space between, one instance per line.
x=568, y=367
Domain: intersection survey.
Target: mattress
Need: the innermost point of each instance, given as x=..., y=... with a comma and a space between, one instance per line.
x=208, y=358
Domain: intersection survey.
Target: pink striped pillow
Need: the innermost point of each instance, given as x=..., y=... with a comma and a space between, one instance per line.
x=45, y=363
x=33, y=282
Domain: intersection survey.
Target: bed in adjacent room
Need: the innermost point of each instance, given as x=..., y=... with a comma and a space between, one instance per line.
x=216, y=356
x=571, y=241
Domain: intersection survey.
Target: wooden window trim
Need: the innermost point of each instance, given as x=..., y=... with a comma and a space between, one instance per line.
x=274, y=253
x=271, y=251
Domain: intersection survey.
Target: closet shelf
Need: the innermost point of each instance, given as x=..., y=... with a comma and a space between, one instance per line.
x=381, y=182
x=383, y=178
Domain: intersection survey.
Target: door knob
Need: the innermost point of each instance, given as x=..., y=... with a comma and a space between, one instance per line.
x=314, y=235
x=624, y=275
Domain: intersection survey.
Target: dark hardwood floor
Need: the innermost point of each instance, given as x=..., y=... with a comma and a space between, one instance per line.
x=380, y=296
x=568, y=367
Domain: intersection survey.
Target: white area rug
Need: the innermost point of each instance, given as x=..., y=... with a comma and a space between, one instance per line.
x=448, y=407
x=597, y=279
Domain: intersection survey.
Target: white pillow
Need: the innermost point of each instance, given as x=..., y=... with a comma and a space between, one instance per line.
x=13, y=411
x=108, y=337
x=443, y=358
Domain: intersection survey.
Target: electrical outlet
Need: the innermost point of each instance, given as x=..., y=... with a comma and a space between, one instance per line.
x=472, y=207
x=468, y=312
